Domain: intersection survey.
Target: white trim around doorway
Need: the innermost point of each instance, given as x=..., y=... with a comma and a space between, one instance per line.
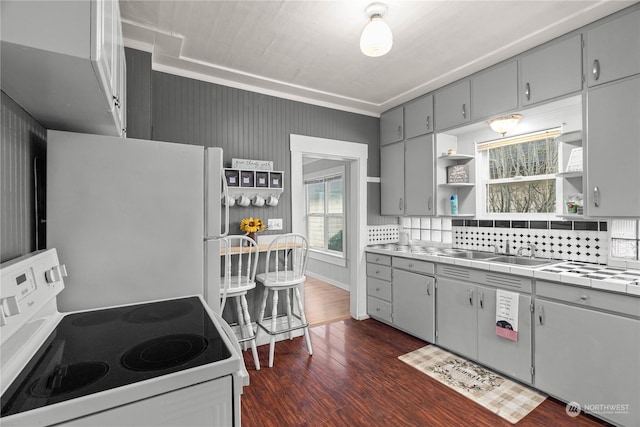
x=357, y=154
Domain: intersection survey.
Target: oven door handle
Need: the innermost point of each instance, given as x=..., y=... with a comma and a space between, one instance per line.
x=244, y=374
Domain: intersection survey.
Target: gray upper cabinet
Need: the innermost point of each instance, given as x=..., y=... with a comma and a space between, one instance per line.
x=552, y=71
x=419, y=175
x=494, y=91
x=613, y=150
x=453, y=105
x=613, y=49
x=392, y=126
x=392, y=179
x=418, y=116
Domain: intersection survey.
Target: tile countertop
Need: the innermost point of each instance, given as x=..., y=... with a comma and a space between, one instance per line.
x=594, y=276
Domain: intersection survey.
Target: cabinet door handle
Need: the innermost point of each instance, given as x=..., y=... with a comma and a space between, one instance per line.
x=470, y=296
x=541, y=315
x=428, y=288
x=430, y=203
x=377, y=271
x=584, y=297
x=482, y=300
x=377, y=289
x=410, y=265
x=596, y=69
x=527, y=91
x=377, y=259
x=596, y=196
x=400, y=204
x=464, y=111
x=399, y=131
x=428, y=122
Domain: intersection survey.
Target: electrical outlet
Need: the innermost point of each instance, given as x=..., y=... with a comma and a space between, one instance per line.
x=274, y=224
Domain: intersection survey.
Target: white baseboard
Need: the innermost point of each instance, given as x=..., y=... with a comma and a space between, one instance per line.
x=335, y=283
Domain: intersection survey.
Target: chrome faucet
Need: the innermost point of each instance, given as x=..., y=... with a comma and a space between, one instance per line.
x=532, y=250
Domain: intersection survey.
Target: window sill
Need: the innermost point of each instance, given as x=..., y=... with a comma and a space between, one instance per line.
x=327, y=257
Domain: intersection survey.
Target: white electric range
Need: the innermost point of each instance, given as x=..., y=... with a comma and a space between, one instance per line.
x=166, y=362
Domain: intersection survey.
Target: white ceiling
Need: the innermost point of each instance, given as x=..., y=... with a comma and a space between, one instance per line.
x=309, y=50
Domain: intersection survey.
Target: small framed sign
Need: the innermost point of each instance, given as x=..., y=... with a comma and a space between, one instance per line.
x=458, y=174
x=264, y=165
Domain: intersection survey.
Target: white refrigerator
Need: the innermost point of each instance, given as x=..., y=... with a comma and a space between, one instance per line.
x=134, y=220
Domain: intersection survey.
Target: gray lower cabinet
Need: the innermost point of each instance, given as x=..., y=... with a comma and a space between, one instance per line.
x=587, y=348
x=613, y=150
x=552, y=71
x=414, y=303
x=466, y=319
x=379, y=287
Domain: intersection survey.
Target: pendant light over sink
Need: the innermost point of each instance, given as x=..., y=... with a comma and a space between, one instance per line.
x=376, y=38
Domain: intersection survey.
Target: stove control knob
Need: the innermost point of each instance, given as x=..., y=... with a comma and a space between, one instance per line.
x=56, y=274
x=10, y=306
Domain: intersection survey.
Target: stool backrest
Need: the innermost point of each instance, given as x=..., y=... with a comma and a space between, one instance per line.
x=240, y=265
x=287, y=258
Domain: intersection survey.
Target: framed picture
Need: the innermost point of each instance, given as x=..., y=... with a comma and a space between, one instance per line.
x=458, y=174
x=247, y=179
x=275, y=179
x=233, y=177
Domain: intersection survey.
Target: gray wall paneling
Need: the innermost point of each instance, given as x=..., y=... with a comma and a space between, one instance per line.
x=138, y=94
x=251, y=125
x=23, y=139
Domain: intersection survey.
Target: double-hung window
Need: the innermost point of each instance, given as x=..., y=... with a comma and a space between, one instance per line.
x=519, y=174
x=325, y=213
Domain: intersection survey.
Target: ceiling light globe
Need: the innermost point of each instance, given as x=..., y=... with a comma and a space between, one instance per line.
x=376, y=39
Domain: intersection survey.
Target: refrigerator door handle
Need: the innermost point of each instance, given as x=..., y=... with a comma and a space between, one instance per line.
x=225, y=190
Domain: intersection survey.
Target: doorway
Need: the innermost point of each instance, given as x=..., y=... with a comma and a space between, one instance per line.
x=355, y=155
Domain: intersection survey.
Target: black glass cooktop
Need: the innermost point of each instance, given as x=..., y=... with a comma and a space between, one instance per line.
x=99, y=350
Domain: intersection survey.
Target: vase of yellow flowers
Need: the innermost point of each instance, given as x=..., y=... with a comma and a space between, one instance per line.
x=251, y=226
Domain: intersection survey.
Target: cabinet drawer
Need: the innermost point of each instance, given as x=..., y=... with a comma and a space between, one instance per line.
x=379, y=308
x=379, y=259
x=379, y=288
x=379, y=271
x=414, y=265
x=586, y=297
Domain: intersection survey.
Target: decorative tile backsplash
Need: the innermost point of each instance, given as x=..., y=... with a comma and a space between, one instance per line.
x=584, y=241
x=598, y=242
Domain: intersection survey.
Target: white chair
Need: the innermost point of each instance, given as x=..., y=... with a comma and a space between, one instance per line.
x=239, y=272
x=285, y=269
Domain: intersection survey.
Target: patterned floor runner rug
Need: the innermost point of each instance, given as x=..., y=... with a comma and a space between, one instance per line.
x=503, y=397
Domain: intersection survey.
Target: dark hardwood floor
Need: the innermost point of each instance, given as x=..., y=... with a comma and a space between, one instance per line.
x=354, y=378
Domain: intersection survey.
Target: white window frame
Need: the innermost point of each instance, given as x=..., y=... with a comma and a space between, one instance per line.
x=326, y=255
x=482, y=173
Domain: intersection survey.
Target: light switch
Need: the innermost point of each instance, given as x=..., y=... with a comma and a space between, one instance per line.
x=274, y=224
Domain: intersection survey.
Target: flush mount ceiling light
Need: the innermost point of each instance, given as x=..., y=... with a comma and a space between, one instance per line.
x=376, y=39
x=504, y=125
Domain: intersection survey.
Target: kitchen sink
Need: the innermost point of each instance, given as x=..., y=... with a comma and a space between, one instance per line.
x=530, y=262
x=473, y=255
